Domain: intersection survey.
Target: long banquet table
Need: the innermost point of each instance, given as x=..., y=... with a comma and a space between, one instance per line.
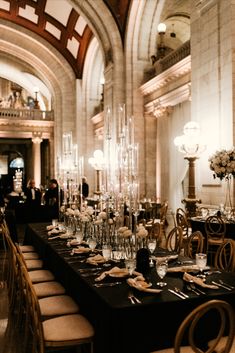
x=119, y=325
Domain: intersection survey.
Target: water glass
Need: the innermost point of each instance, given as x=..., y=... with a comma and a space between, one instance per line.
x=92, y=243
x=161, y=268
x=107, y=251
x=201, y=261
x=130, y=264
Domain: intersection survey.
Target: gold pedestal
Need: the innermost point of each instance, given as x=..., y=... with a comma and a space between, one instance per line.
x=191, y=206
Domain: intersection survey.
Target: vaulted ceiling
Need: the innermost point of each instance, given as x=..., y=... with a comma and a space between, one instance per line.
x=66, y=30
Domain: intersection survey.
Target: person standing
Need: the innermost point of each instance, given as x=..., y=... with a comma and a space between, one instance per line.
x=33, y=201
x=85, y=188
x=51, y=199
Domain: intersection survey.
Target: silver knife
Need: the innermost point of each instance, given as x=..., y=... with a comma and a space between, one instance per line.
x=111, y=284
x=221, y=285
x=177, y=294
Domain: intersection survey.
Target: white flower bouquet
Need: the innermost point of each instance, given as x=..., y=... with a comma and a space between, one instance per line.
x=222, y=163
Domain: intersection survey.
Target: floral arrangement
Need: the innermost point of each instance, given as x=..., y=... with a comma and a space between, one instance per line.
x=222, y=163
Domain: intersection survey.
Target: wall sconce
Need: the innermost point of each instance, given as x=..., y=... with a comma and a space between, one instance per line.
x=98, y=163
x=36, y=103
x=161, y=48
x=161, y=28
x=191, y=145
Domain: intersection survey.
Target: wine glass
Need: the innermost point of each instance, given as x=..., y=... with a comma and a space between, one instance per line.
x=130, y=264
x=92, y=243
x=107, y=251
x=152, y=246
x=201, y=261
x=161, y=268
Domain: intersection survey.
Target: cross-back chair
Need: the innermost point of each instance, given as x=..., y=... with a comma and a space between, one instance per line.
x=183, y=222
x=188, y=336
x=225, y=256
x=194, y=244
x=163, y=218
x=215, y=229
x=174, y=240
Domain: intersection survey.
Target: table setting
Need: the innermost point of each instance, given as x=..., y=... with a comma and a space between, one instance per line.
x=108, y=301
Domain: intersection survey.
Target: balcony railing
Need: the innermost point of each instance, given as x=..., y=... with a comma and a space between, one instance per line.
x=26, y=114
x=172, y=58
x=168, y=61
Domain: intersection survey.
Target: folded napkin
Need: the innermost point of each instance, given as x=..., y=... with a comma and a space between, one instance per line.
x=114, y=272
x=50, y=227
x=62, y=236
x=183, y=268
x=81, y=250
x=140, y=284
x=165, y=258
x=75, y=242
x=53, y=231
x=189, y=278
x=95, y=260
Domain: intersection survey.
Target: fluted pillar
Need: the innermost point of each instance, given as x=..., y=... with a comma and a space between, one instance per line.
x=36, y=139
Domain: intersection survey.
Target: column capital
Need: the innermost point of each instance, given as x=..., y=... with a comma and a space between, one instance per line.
x=37, y=137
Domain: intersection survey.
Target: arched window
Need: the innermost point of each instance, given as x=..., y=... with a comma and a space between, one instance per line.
x=17, y=163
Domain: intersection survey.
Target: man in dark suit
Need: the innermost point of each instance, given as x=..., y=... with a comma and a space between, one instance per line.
x=33, y=200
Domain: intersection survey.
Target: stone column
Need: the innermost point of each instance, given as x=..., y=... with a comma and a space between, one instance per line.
x=36, y=139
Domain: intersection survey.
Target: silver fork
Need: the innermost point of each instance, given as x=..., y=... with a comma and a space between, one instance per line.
x=197, y=289
x=226, y=284
x=180, y=292
x=133, y=299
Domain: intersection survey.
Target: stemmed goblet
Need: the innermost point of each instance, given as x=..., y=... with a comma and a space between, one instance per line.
x=92, y=243
x=152, y=246
x=161, y=268
x=130, y=265
x=201, y=261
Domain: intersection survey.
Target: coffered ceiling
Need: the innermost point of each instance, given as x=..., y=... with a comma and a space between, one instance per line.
x=60, y=24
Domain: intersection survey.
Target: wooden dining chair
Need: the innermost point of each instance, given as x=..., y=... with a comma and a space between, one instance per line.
x=174, y=240
x=163, y=220
x=194, y=326
x=183, y=222
x=52, y=334
x=194, y=244
x=215, y=229
x=225, y=256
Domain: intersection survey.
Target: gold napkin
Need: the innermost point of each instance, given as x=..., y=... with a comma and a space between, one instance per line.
x=95, y=260
x=114, y=272
x=81, y=250
x=53, y=231
x=189, y=278
x=62, y=236
x=140, y=284
x=183, y=268
x=50, y=227
x=165, y=258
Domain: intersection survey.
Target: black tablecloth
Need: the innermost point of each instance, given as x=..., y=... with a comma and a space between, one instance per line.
x=119, y=325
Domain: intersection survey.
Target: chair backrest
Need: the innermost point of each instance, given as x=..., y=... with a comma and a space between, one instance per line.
x=33, y=339
x=182, y=221
x=195, y=325
x=225, y=256
x=163, y=212
x=215, y=228
x=174, y=239
x=194, y=244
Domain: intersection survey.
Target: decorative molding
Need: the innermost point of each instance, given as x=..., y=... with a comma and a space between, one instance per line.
x=165, y=78
x=165, y=103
